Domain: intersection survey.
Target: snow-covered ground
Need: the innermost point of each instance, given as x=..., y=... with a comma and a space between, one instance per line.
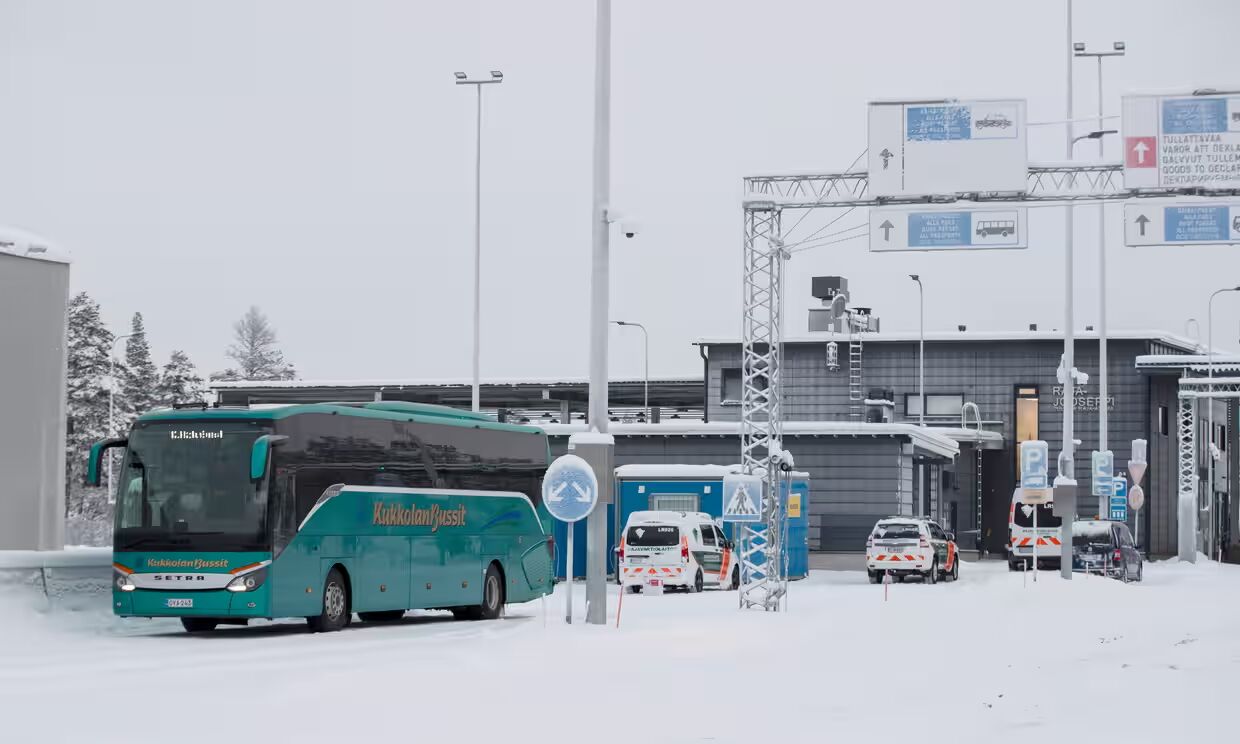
x=985, y=659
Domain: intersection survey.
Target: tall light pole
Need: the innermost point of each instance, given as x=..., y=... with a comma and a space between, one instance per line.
x=921, y=353
x=463, y=79
x=112, y=404
x=1066, y=464
x=1078, y=50
x=1210, y=402
x=646, y=364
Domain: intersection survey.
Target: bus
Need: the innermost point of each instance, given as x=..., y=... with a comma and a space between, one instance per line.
x=320, y=511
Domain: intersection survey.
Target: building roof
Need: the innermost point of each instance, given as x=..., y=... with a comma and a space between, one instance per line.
x=648, y=471
x=399, y=382
x=1177, y=363
x=926, y=438
x=18, y=242
x=1170, y=339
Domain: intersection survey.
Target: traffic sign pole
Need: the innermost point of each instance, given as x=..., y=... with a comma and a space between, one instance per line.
x=568, y=575
x=571, y=493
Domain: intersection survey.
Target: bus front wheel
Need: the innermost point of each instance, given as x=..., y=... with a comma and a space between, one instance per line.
x=335, y=609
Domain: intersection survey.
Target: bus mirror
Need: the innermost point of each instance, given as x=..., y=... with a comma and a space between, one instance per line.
x=93, y=471
x=260, y=452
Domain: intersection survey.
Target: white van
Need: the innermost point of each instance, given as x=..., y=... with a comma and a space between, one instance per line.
x=1022, y=537
x=675, y=549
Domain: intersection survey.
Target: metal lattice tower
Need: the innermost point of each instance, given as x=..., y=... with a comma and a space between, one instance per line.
x=761, y=420
x=764, y=254
x=1188, y=481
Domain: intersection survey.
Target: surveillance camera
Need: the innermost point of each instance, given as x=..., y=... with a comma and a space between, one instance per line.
x=630, y=228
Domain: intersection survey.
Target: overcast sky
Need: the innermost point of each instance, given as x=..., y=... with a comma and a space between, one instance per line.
x=315, y=159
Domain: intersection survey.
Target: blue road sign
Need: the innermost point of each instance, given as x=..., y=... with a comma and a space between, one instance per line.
x=570, y=489
x=1194, y=115
x=1103, y=472
x=1033, y=465
x=1119, y=500
x=742, y=498
x=1196, y=224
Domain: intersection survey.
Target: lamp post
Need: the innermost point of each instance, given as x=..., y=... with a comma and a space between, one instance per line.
x=646, y=363
x=463, y=79
x=1210, y=402
x=112, y=404
x=1117, y=50
x=921, y=352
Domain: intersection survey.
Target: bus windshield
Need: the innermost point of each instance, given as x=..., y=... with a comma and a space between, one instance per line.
x=185, y=485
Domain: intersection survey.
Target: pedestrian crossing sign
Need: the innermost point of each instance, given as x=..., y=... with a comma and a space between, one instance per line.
x=742, y=498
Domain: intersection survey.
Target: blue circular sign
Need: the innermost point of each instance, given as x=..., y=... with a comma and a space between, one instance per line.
x=570, y=489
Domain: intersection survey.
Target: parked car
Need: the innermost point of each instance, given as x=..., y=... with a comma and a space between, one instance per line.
x=1101, y=546
x=676, y=549
x=1023, y=537
x=911, y=546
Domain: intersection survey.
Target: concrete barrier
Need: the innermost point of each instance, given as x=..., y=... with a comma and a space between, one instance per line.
x=77, y=578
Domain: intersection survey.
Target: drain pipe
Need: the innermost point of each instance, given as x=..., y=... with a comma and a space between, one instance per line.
x=705, y=383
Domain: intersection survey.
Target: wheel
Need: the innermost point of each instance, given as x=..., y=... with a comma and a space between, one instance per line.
x=1012, y=566
x=932, y=576
x=335, y=613
x=1140, y=573
x=385, y=616
x=698, y=581
x=955, y=574
x=635, y=589
x=876, y=577
x=492, y=599
x=898, y=578
x=736, y=579
x=198, y=624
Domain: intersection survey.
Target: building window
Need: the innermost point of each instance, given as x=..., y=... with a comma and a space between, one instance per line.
x=1162, y=420
x=1026, y=418
x=730, y=385
x=680, y=502
x=936, y=404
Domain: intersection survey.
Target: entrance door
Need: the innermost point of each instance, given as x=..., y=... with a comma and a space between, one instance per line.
x=997, y=476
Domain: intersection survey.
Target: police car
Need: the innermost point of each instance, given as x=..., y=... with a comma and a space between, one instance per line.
x=911, y=546
x=675, y=550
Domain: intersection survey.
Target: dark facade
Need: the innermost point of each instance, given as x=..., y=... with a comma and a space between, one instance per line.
x=991, y=371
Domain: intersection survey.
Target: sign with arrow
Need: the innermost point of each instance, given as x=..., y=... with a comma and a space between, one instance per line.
x=570, y=489
x=1182, y=140
x=1181, y=221
x=925, y=228
x=920, y=148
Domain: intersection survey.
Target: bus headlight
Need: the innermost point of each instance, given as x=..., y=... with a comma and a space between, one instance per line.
x=248, y=582
x=122, y=581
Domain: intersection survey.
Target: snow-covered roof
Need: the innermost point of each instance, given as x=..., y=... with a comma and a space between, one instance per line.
x=432, y=382
x=653, y=471
x=927, y=438
x=1197, y=362
x=18, y=242
x=1170, y=339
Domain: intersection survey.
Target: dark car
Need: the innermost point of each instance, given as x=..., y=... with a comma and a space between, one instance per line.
x=1100, y=546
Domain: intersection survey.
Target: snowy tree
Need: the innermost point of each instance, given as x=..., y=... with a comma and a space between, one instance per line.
x=139, y=378
x=179, y=382
x=88, y=514
x=255, y=352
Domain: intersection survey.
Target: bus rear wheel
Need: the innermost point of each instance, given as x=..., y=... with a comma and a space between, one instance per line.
x=198, y=624
x=335, y=613
x=492, y=598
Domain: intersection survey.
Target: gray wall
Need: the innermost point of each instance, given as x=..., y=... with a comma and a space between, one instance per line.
x=853, y=482
x=984, y=372
x=34, y=297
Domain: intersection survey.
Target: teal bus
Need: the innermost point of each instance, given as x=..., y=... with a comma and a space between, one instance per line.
x=320, y=511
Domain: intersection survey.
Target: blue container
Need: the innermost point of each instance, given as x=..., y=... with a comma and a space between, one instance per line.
x=696, y=488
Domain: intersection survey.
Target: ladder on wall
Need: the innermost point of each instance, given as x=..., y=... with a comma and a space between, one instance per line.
x=856, y=397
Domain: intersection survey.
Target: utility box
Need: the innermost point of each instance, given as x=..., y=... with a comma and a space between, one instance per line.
x=34, y=301
x=826, y=288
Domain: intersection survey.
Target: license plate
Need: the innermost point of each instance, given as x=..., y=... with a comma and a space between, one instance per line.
x=179, y=603
x=894, y=549
x=638, y=559
x=1093, y=559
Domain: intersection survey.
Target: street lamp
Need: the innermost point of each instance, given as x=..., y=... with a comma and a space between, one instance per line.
x=1117, y=50
x=921, y=353
x=112, y=404
x=463, y=79
x=646, y=363
x=1210, y=402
